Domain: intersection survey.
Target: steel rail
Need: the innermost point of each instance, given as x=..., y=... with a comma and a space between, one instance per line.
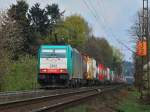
x=20, y=95
x=13, y=105
x=61, y=105
x=42, y=103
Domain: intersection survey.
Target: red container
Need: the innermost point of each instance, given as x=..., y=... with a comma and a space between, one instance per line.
x=101, y=73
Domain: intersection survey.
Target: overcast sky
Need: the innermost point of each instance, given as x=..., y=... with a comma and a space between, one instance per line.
x=108, y=18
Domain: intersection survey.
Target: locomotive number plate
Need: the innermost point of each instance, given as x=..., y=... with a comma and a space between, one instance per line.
x=53, y=66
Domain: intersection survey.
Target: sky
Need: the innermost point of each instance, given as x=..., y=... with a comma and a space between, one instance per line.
x=111, y=19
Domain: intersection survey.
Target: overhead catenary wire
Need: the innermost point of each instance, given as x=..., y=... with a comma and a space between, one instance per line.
x=103, y=21
x=113, y=35
x=95, y=15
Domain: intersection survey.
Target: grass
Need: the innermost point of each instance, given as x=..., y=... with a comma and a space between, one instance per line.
x=21, y=75
x=132, y=104
x=80, y=108
x=125, y=101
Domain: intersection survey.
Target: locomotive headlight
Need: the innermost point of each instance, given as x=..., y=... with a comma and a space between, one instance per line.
x=63, y=70
x=44, y=70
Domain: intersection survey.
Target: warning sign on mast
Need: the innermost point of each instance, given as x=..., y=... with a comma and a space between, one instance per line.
x=141, y=48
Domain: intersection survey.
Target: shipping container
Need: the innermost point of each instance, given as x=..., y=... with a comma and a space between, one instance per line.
x=107, y=74
x=112, y=75
x=91, y=68
x=77, y=64
x=101, y=74
x=94, y=68
x=84, y=64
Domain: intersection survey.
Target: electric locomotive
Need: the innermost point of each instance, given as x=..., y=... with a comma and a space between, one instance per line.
x=59, y=65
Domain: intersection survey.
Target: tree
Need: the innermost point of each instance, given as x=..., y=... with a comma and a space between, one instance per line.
x=106, y=51
x=44, y=20
x=39, y=20
x=54, y=12
x=18, y=14
x=92, y=49
x=99, y=49
x=2, y=16
x=4, y=59
x=117, y=61
x=75, y=30
x=12, y=38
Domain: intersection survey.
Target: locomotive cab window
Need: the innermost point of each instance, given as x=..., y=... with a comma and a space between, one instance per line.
x=53, y=53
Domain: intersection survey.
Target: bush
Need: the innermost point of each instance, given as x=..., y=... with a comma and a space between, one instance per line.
x=4, y=67
x=22, y=75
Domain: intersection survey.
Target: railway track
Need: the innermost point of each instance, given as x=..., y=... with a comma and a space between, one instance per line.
x=20, y=95
x=53, y=102
x=16, y=95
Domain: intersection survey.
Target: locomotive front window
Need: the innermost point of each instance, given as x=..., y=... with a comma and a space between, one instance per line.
x=55, y=53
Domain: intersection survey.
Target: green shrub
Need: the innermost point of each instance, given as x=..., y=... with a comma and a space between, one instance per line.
x=22, y=75
x=131, y=104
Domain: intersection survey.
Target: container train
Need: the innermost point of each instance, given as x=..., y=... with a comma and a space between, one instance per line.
x=62, y=65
